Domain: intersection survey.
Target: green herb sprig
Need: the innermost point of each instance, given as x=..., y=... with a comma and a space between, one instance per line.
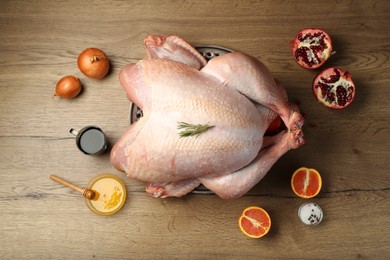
x=191, y=129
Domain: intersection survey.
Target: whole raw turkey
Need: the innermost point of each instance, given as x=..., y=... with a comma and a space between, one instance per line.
x=234, y=94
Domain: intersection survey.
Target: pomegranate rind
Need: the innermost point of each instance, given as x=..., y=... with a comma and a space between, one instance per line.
x=306, y=182
x=317, y=57
x=329, y=95
x=254, y=222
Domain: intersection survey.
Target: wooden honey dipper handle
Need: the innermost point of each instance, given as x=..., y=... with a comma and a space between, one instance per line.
x=87, y=193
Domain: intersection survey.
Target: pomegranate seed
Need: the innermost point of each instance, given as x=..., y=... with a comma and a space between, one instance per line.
x=330, y=97
x=341, y=95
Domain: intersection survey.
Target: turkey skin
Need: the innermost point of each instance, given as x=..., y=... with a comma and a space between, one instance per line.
x=234, y=95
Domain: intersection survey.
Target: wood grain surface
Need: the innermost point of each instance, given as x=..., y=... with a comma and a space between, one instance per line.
x=40, y=219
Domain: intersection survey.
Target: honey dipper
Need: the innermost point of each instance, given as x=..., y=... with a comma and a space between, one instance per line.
x=87, y=193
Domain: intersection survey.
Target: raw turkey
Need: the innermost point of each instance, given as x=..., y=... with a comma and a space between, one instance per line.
x=234, y=94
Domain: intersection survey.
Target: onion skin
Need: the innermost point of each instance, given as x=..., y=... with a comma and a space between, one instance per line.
x=93, y=63
x=68, y=87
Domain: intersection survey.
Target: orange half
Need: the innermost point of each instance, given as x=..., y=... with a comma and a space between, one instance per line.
x=254, y=222
x=306, y=183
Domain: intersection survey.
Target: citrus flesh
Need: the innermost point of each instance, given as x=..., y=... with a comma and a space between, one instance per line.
x=254, y=222
x=306, y=183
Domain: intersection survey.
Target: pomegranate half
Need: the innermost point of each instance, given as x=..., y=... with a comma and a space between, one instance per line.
x=311, y=47
x=334, y=88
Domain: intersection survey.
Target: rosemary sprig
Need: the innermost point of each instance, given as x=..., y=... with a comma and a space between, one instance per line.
x=191, y=129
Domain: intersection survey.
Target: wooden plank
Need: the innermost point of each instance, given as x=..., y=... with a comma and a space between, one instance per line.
x=40, y=43
x=196, y=226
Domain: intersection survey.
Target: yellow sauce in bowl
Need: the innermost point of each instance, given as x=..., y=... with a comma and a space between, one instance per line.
x=110, y=194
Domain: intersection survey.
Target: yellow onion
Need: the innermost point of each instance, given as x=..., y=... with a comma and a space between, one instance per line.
x=68, y=87
x=93, y=63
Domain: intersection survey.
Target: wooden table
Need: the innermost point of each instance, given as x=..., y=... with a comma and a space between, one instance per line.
x=40, y=42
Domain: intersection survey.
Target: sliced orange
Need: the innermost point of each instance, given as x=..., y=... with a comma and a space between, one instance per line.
x=306, y=183
x=254, y=222
x=274, y=126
